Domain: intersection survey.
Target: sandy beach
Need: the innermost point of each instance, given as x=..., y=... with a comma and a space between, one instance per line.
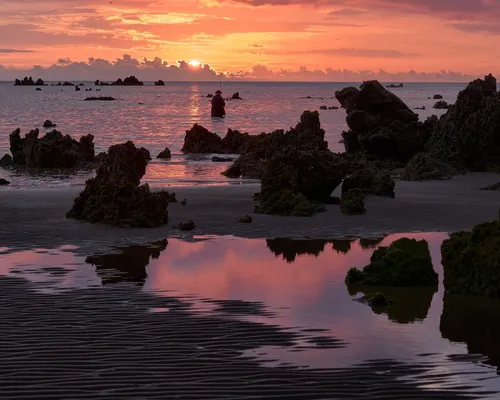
x=36, y=217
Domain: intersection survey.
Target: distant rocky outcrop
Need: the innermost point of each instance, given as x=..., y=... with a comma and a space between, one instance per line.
x=6, y=161
x=53, y=150
x=100, y=98
x=441, y=105
x=129, y=81
x=392, y=85
x=159, y=83
x=437, y=97
x=381, y=124
x=29, y=82
x=165, y=153
x=468, y=134
x=236, y=96
x=115, y=197
x=49, y=124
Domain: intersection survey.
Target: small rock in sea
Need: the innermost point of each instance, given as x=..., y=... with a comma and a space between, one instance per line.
x=6, y=161
x=222, y=159
x=187, y=226
x=165, y=153
x=38, y=89
x=4, y=182
x=49, y=124
x=77, y=89
x=323, y=108
x=441, y=105
x=159, y=83
x=352, y=202
x=184, y=202
x=236, y=96
x=247, y=219
x=437, y=97
x=406, y=262
x=100, y=98
x=210, y=95
x=376, y=299
x=141, y=104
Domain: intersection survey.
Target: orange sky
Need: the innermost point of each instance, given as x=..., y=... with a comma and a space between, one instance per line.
x=394, y=35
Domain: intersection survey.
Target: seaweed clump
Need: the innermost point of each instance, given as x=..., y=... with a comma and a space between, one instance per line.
x=406, y=262
x=471, y=261
x=115, y=197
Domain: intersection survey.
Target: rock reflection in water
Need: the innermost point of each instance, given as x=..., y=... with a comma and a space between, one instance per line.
x=126, y=264
x=342, y=245
x=475, y=322
x=370, y=243
x=409, y=304
x=291, y=248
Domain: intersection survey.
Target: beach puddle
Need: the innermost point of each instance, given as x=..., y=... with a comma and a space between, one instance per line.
x=275, y=314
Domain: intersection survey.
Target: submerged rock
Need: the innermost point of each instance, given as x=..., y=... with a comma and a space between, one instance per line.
x=236, y=96
x=352, y=202
x=53, y=150
x=49, y=124
x=29, y=82
x=467, y=136
x=471, y=261
x=4, y=182
x=100, y=98
x=165, y=153
x=406, y=262
x=381, y=124
x=371, y=181
x=423, y=167
x=115, y=197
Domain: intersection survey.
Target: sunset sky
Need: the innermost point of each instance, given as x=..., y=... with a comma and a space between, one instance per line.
x=256, y=36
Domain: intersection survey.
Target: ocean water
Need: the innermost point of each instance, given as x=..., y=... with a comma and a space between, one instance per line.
x=427, y=339
x=156, y=117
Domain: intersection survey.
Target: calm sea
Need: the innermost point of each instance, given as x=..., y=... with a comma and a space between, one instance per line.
x=155, y=117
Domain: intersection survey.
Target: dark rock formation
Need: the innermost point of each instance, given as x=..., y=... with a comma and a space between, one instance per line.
x=423, y=167
x=468, y=135
x=4, y=182
x=371, y=181
x=235, y=141
x=115, y=197
x=129, y=81
x=381, y=124
x=494, y=186
x=53, y=150
x=377, y=299
x=352, y=202
x=437, y=97
x=441, y=105
x=323, y=107
x=392, y=85
x=200, y=140
x=236, y=96
x=77, y=89
x=100, y=98
x=6, y=161
x=29, y=82
x=49, y=124
x=159, y=83
x=38, y=89
x=247, y=219
x=187, y=226
x=406, y=262
x=222, y=159
x=165, y=153
x=470, y=261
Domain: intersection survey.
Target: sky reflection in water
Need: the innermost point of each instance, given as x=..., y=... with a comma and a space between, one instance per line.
x=298, y=284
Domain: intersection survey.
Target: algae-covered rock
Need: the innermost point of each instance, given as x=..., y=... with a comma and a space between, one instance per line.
x=285, y=202
x=376, y=299
x=371, y=181
x=423, y=167
x=471, y=261
x=200, y=140
x=247, y=219
x=352, y=202
x=406, y=262
x=115, y=197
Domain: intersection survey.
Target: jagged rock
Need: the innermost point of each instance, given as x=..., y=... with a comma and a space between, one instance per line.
x=467, y=136
x=165, y=153
x=371, y=181
x=53, y=150
x=209, y=95
x=437, y=97
x=4, y=182
x=29, y=82
x=381, y=124
x=222, y=159
x=129, y=81
x=6, y=161
x=49, y=124
x=247, y=219
x=200, y=140
x=286, y=202
x=235, y=141
x=441, y=105
x=249, y=165
x=159, y=83
x=406, y=262
x=470, y=261
x=352, y=202
x=236, y=96
x=100, y=98
x=423, y=167
x=114, y=195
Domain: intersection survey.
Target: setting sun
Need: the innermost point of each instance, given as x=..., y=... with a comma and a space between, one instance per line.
x=194, y=63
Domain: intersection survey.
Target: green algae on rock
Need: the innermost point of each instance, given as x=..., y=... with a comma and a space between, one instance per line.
x=471, y=261
x=352, y=202
x=115, y=197
x=423, y=167
x=406, y=262
x=371, y=181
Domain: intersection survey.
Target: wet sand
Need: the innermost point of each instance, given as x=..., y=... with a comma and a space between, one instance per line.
x=36, y=217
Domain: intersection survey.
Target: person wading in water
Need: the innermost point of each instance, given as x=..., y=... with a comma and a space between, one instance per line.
x=218, y=105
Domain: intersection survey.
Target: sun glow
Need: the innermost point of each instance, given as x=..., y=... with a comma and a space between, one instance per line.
x=194, y=63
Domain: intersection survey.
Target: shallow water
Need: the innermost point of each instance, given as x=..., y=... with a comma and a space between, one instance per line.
x=298, y=288
x=167, y=112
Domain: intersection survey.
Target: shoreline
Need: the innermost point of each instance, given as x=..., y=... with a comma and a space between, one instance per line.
x=35, y=217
